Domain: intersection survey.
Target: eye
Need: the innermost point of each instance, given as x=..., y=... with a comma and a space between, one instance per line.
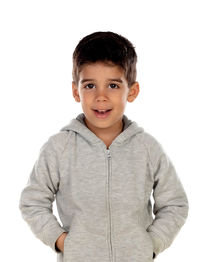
x=89, y=86
x=114, y=86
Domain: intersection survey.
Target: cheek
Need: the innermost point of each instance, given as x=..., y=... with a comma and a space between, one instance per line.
x=86, y=98
x=120, y=99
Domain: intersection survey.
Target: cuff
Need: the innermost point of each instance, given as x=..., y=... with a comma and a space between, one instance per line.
x=158, y=244
x=51, y=235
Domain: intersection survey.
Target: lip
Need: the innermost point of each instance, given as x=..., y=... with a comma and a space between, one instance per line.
x=102, y=109
x=102, y=116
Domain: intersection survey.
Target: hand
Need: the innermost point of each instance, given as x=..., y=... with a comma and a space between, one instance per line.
x=60, y=241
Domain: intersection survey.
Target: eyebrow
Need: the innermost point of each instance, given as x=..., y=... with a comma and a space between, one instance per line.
x=110, y=79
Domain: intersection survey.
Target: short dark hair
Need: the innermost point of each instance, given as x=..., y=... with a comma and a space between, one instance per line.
x=106, y=47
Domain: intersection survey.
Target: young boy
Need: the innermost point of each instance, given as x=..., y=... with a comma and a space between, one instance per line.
x=102, y=168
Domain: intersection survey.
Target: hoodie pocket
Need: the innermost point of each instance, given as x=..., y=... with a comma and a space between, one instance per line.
x=81, y=245
x=134, y=246
x=65, y=243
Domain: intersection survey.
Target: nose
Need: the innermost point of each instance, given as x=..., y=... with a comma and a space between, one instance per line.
x=101, y=95
x=101, y=98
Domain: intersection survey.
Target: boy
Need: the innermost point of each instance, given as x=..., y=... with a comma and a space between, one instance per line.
x=102, y=168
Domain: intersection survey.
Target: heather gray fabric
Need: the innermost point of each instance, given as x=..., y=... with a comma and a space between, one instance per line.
x=103, y=195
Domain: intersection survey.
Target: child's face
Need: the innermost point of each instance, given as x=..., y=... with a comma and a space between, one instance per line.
x=102, y=86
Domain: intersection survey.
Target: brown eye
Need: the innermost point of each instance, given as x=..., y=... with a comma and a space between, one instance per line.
x=89, y=86
x=114, y=86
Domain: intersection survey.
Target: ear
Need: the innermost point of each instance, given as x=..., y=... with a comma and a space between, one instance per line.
x=75, y=92
x=133, y=92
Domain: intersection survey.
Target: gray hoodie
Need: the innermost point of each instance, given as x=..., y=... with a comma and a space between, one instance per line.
x=104, y=195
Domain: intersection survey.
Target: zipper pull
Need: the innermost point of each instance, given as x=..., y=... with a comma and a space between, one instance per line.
x=108, y=153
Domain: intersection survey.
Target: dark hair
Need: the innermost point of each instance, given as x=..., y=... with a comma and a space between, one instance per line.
x=106, y=47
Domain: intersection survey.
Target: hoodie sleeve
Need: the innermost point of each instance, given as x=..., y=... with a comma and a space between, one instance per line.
x=171, y=203
x=38, y=195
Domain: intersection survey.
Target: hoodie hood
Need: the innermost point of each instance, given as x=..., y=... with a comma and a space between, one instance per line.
x=78, y=125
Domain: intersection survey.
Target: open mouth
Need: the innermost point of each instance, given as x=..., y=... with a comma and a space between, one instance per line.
x=102, y=113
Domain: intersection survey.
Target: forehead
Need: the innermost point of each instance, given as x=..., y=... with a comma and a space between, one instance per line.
x=101, y=69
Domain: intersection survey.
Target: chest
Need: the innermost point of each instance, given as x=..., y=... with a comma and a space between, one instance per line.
x=90, y=172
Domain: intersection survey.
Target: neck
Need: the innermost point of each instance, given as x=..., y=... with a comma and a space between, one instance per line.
x=107, y=135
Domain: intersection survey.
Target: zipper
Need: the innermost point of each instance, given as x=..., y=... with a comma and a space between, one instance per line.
x=109, y=210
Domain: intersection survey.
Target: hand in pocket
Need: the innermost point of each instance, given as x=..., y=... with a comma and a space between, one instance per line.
x=60, y=241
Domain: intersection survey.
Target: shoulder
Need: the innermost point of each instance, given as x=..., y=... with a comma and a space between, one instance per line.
x=153, y=146
x=56, y=143
x=60, y=138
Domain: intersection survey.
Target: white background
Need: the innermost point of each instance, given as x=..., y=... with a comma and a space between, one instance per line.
x=37, y=41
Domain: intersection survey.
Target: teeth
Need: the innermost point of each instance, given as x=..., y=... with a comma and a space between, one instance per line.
x=102, y=111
